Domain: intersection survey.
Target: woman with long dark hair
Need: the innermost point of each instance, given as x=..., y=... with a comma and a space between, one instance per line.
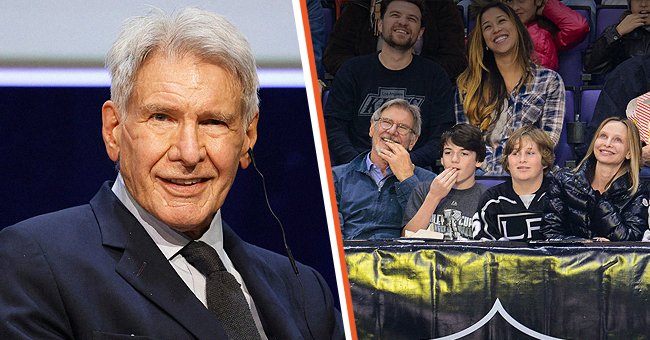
x=502, y=89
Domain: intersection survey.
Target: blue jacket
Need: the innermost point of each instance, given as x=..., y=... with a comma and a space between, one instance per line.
x=367, y=212
x=93, y=271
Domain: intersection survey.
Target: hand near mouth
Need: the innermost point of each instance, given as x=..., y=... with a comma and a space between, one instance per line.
x=631, y=22
x=398, y=159
x=442, y=184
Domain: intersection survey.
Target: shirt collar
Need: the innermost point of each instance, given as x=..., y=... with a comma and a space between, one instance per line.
x=375, y=172
x=168, y=240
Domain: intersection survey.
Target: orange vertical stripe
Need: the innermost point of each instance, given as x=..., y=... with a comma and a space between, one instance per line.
x=328, y=165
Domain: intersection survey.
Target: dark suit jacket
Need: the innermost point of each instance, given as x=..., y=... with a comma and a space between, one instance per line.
x=93, y=272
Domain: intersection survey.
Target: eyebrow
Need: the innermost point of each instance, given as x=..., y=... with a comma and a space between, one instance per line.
x=496, y=18
x=226, y=117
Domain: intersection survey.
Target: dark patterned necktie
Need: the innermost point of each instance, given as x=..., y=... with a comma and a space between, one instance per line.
x=224, y=295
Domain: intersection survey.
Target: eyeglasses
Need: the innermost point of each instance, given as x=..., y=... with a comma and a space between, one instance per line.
x=387, y=124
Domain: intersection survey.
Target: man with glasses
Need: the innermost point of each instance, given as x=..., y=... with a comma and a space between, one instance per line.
x=364, y=83
x=373, y=189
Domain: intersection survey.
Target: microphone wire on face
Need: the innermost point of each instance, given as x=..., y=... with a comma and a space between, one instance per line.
x=284, y=240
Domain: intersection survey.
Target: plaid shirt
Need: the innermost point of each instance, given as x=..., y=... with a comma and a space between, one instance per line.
x=540, y=102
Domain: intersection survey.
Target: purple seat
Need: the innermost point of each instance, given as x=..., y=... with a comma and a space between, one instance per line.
x=490, y=181
x=570, y=61
x=324, y=95
x=607, y=15
x=588, y=99
x=564, y=151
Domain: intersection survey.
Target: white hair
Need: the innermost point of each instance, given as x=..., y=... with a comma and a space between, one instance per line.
x=193, y=32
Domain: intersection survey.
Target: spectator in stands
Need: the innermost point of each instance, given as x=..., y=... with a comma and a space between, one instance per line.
x=372, y=190
x=600, y=200
x=513, y=210
x=447, y=203
x=502, y=89
x=317, y=31
x=627, y=81
x=356, y=33
x=553, y=27
x=364, y=83
x=619, y=42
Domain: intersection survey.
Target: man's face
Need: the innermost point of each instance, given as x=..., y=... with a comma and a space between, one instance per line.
x=382, y=134
x=401, y=25
x=454, y=156
x=181, y=141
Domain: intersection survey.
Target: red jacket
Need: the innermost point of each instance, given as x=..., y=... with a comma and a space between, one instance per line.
x=573, y=28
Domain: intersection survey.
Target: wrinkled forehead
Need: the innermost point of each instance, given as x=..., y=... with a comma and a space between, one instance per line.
x=398, y=115
x=163, y=67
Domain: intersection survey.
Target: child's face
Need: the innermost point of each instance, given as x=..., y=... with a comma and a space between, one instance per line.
x=641, y=7
x=454, y=156
x=525, y=161
x=525, y=9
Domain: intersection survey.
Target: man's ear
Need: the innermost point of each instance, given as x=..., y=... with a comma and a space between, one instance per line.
x=421, y=33
x=111, y=129
x=412, y=143
x=479, y=164
x=249, y=141
x=371, y=131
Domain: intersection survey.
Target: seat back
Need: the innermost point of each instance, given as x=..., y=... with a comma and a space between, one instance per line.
x=607, y=15
x=490, y=181
x=570, y=61
x=588, y=99
x=564, y=151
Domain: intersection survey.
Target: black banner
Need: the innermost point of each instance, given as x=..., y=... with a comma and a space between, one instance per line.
x=499, y=290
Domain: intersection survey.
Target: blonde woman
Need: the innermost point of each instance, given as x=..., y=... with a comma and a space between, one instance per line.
x=601, y=199
x=502, y=89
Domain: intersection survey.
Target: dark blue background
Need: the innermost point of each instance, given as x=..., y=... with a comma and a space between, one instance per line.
x=54, y=158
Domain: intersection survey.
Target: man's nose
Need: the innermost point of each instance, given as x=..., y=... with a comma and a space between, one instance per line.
x=187, y=149
x=455, y=157
x=393, y=129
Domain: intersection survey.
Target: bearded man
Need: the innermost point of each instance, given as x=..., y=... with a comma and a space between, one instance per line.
x=365, y=83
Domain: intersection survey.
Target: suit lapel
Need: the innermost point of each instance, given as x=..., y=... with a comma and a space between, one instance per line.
x=145, y=267
x=271, y=294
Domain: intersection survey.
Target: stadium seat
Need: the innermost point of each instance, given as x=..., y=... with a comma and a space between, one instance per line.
x=490, y=181
x=588, y=98
x=324, y=95
x=570, y=61
x=606, y=16
x=564, y=151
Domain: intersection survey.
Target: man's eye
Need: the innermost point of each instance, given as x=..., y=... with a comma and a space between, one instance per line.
x=213, y=122
x=159, y=117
